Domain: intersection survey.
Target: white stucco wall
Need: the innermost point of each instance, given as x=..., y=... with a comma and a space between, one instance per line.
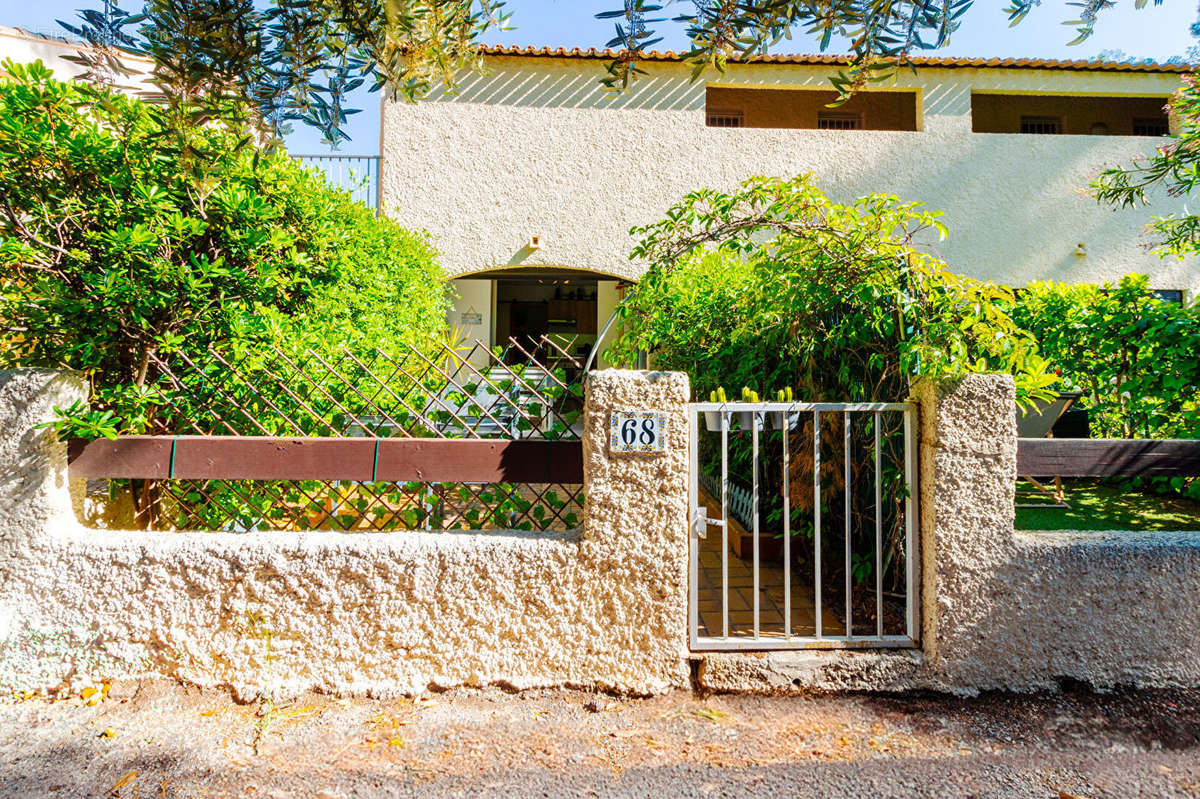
x=357, y=613
x=604, y=608
x=24, y=48
x=536, y=147
x=473, y=297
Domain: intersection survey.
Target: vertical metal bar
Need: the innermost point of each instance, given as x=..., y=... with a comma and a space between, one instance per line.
x=878, y=537
x=817, y=522
x=910, y=504
x=693, y=542
x=757, y=419
x=724, y=524
x=378, y=204
x=787, y=528
x=846, y=494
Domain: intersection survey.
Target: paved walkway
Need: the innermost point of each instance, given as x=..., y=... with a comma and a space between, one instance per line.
x=158, y=739
x=741, y=590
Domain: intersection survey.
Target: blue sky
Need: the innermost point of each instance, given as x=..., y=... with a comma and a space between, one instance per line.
x=1157, y=32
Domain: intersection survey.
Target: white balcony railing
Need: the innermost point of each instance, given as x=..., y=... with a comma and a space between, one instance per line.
x=357, y=174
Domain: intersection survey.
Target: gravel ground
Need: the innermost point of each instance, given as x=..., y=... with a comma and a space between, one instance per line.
x=158, y=739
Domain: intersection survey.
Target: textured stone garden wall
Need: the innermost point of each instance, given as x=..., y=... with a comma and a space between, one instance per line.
x=378, y=613
x=605, y=607
x=1024, y=610
x=1003, y=609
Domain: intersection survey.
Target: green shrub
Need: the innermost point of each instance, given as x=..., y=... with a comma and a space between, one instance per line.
x=1136, y=358
x=774, y=286
x=777, y=286
x=120, y=243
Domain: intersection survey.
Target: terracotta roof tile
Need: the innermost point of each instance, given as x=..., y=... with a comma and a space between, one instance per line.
x=805, y=59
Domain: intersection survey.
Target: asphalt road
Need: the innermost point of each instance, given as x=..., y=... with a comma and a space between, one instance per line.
x=162, y=740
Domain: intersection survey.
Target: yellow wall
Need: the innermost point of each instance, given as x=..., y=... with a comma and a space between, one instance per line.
x=1001, y=113
x=798, y=108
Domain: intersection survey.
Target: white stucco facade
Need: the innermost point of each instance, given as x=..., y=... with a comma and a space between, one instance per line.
x=536, y=147
x=25, y=47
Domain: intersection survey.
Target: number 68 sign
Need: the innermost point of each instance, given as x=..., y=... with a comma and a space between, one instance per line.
x=638, y=431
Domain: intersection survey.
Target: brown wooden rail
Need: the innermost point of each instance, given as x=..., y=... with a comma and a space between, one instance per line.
x=1108, y=457
x=264, y=458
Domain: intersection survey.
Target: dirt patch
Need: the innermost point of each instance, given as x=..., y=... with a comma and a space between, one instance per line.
x=162, y=740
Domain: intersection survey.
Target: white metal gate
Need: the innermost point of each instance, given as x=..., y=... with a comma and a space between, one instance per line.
x=757, y=588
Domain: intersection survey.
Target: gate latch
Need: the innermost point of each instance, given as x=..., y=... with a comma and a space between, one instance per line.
x=700, y=522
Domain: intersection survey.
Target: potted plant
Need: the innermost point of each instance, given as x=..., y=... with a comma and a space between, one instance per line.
x=784, y=420
x=746, y=418
x=716, y=421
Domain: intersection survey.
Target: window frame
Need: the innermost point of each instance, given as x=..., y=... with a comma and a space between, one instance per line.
x=1033, y=120
x=727, y=114
x=853, y=117
x=1163, y=124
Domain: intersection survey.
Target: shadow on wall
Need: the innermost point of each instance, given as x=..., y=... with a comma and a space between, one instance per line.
x=1000, y=229
x=557, y=86
x=551, y=83
x=17, y=485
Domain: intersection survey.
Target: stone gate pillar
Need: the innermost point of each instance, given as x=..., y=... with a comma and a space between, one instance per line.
x=636, y=516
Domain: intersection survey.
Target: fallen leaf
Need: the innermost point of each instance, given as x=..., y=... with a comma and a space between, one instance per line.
x=395, y=740
x=293, y=713
x=109, y=732
x=88, y=693
x=710, y=714
x=126, y=780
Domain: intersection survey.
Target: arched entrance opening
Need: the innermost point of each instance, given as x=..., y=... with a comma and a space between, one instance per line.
x=566, y=306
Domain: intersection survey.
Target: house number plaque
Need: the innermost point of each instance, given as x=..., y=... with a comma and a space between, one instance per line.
x=638, y=431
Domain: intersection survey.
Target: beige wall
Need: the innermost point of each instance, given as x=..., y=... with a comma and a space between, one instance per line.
x=473, y=296
x=798, y=108
x=604, y=607
x=536, y=146
x=607, y=296
x=355, y=613
x=24, y=48
x=1001, y=113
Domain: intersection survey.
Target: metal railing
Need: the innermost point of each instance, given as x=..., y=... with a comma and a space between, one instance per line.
x=357, y=174
x=795, y=448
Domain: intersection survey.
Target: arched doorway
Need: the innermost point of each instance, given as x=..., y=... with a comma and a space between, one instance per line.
x=566, y=306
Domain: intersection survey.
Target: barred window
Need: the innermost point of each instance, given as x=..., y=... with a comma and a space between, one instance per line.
x=726, y=119
x=1147, y=126
x=832, y=120
x=1041, y=124
x=1168, y=295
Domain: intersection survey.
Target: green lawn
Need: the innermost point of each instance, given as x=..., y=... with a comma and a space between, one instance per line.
x=1103, y=507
